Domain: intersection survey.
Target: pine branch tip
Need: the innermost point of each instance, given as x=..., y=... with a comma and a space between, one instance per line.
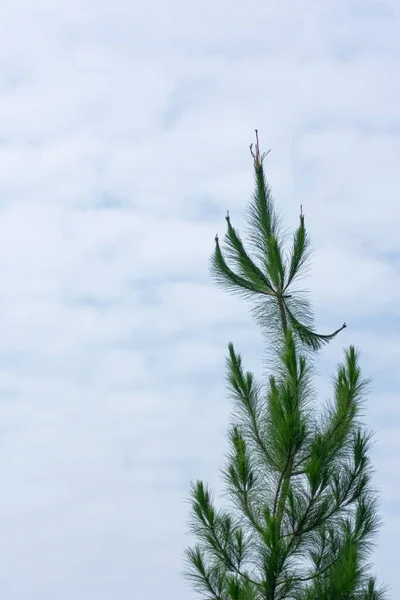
x=257, y=156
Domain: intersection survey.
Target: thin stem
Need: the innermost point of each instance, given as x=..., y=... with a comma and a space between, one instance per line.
x=282, y=313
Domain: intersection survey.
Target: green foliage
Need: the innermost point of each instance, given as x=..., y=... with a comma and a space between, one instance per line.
x=305, y=514
x=269, y=277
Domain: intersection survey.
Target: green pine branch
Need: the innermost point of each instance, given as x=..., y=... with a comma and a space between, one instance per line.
x=305, y=514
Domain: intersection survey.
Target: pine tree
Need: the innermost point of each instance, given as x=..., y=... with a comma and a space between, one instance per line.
x=304, y=514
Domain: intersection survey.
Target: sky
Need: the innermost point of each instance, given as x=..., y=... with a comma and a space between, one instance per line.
x=124, y=134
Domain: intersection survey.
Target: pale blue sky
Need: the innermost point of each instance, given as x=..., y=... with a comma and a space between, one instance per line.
x=124, y=133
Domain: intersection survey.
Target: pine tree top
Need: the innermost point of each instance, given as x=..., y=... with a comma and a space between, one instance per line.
x=305, y=512
x=267, y=274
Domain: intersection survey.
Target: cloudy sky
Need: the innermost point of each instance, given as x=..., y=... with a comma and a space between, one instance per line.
x=124, y=133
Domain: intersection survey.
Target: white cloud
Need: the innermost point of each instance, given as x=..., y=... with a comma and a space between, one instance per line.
x=124, y=133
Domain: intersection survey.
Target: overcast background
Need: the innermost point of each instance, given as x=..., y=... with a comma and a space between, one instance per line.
x=124, y=133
